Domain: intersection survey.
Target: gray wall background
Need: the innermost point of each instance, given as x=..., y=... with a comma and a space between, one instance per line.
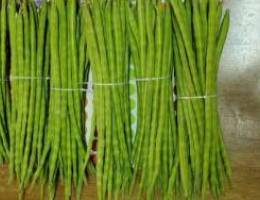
x=239, y=76
x=239, y=102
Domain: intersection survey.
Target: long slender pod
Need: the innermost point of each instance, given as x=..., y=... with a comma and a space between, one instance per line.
x=5, y=98
x=31, y=100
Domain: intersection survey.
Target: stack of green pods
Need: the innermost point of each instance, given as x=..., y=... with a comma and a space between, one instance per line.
x=200, y=32
x=4, y=85
x=108, y=55
x=150, y=35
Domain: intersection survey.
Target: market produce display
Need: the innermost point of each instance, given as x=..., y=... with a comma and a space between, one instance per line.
x=168, y=51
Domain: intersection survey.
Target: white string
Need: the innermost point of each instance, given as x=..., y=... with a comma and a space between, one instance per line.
x=127, y=83
x=110, y=84
x=105, y=84
x=28, y=78
x=197, y=97
x=69, y=89
x=152, y=79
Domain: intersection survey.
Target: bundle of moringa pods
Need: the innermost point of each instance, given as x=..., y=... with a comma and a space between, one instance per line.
x=174, y=47
x=44, y=140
